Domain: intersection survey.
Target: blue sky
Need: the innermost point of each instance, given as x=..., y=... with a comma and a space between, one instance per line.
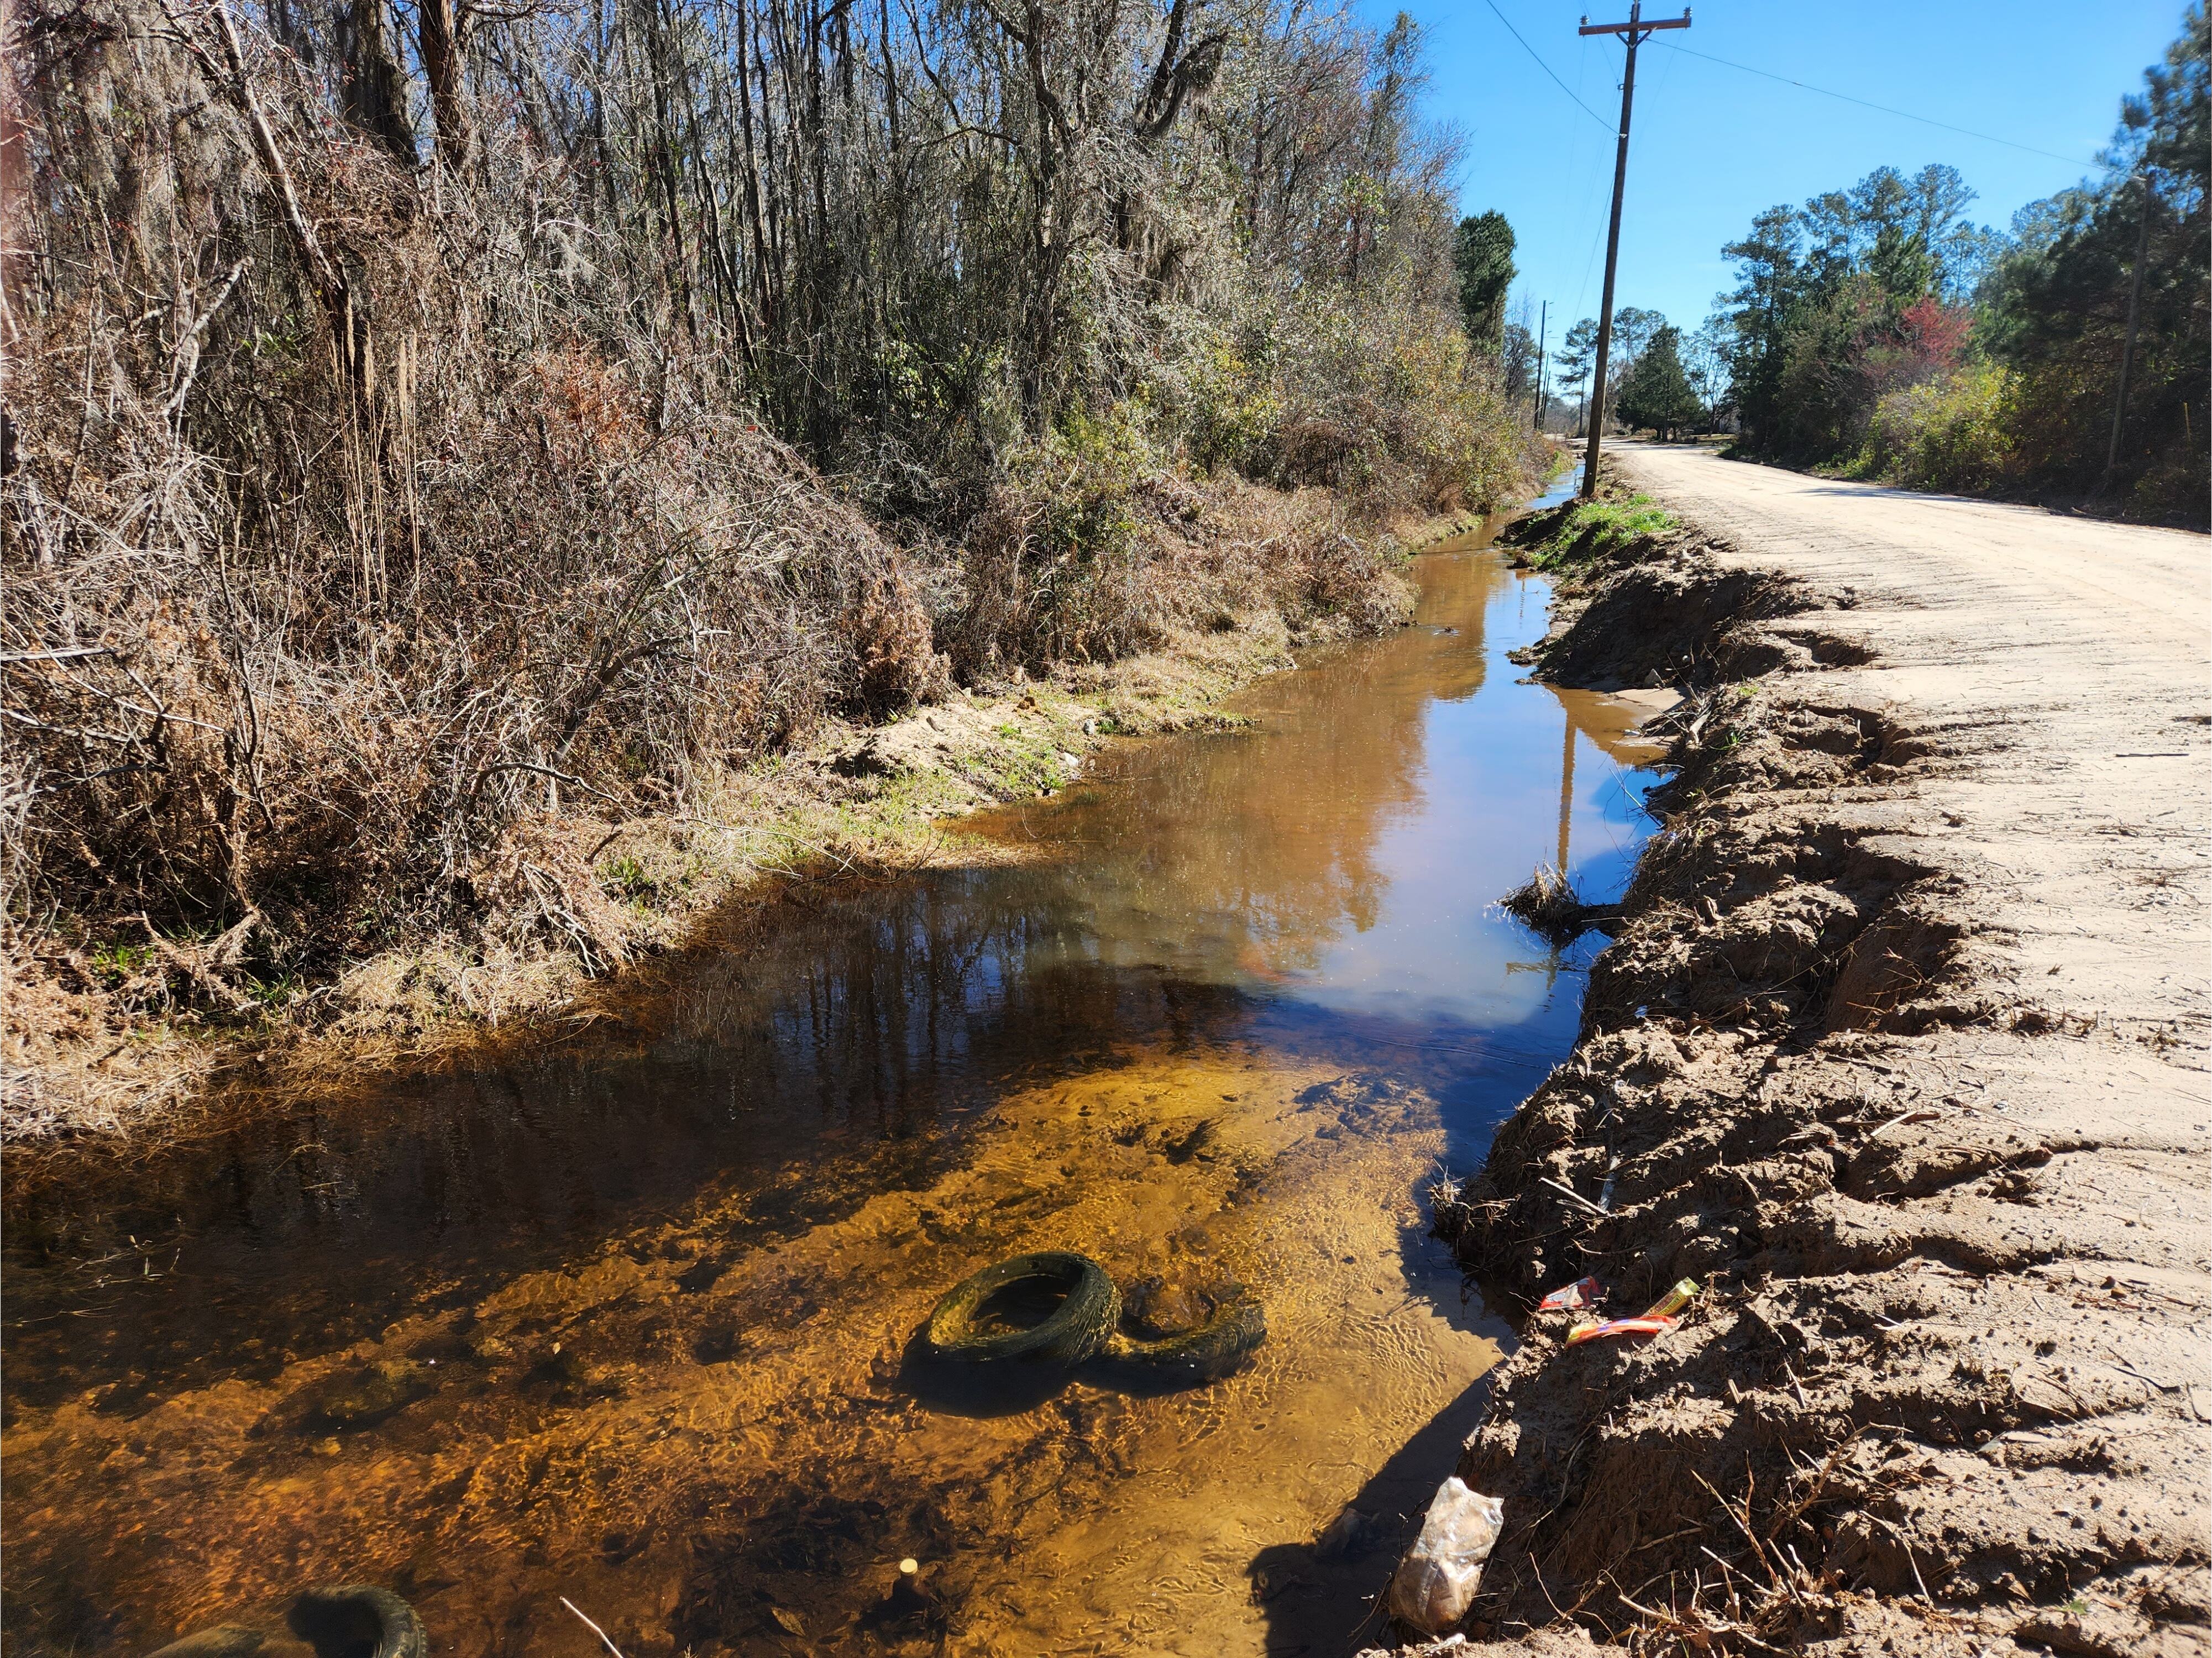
x=1712, y=146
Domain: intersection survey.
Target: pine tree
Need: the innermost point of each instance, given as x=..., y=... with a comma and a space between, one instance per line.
x=1576, y=357
x=1657, y=394
x=1483, y=255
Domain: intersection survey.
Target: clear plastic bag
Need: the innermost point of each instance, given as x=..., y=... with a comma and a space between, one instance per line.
x=1435, y=1583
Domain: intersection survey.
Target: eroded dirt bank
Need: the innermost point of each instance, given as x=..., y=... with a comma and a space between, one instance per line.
x=1902, y=1053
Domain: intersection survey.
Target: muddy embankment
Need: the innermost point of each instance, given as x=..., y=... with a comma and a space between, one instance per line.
x=1945, y=1388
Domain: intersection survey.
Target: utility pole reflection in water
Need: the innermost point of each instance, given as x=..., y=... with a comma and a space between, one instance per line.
x=1567, y=789
x=1549, y=967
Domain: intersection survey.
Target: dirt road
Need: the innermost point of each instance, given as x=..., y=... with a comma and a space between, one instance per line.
x=1903, y=1052
x=2073, y=660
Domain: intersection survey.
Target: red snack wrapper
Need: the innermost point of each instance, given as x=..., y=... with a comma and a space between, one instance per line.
x=1583, y=1293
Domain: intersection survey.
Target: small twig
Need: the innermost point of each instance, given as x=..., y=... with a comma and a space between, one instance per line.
x=94, y=777
x=1742, y=1524
x=592, y=1626
x=1906, y=1543
x=606, y=841
x=70, y=654
x=189, y=370
x=1922, y=1114
x=1542, y=1585
x=569, y=778
x=2129, y=1370
x=1569, y=1192
x=1788, y=1516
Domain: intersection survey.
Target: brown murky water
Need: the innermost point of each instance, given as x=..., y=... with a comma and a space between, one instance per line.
x=636, y=1331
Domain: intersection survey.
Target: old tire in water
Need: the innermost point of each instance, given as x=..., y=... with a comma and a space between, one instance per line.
x=1205, y=1354
x=357, y=1620
x=354, y=1620
x=967, y=1324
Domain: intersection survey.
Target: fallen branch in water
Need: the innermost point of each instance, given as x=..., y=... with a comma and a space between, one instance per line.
x=592, y=1626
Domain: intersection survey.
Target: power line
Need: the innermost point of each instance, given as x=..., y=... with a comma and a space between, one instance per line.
x=1903, y=114
x=1592, y=209
x=1546, y=68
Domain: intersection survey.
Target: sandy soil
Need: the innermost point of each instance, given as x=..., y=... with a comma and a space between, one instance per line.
x=1902, y=1052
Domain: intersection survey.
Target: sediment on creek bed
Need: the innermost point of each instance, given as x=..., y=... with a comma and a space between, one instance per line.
x=1874, y=1430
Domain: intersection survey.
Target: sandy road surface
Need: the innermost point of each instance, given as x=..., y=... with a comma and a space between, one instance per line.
x=2061, y=671
x=1902, y=1053
x=2079, y=654
x=1948, y=551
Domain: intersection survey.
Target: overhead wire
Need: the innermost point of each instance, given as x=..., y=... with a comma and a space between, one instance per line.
x=1593, y=198
x=1608, y=125
x=1845, y=97
x=1786, y=80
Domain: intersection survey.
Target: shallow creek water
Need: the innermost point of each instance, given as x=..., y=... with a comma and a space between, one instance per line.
x=635, y=1327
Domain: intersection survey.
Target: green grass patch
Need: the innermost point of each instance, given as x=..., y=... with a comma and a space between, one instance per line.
x=626, y=877
x=117, y=963
x=1592, y=530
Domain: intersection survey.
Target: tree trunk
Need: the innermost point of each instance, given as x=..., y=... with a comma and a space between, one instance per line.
x=442, y=37
x=375, y=86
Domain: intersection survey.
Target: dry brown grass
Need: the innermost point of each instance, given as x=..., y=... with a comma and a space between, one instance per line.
x=314, y=642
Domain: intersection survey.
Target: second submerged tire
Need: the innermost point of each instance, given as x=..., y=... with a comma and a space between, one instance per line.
x=357, y=1619
x=1089, y=1309
x=347, y=1620
x=1205, y=1354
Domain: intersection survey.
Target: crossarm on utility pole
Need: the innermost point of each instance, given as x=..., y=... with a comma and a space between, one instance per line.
x=1637, y=23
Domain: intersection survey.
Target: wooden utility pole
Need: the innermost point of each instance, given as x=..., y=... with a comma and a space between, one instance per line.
x=1635, y=31
x=1543, y=325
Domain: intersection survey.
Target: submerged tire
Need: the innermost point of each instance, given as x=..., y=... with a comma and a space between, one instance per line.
x=354, y=1620
x=1205, y=1354
x=1089, y=1309
x=357, y=1620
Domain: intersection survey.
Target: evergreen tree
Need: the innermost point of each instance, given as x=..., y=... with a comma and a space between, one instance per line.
x=1832, y=310
x=1577, y=354
x=1765, y=304
x=1657, y=393
x=1705, y=356
x=2054, y=310
x=1633, y=329
x=1860, y=296
x=1483, y=256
